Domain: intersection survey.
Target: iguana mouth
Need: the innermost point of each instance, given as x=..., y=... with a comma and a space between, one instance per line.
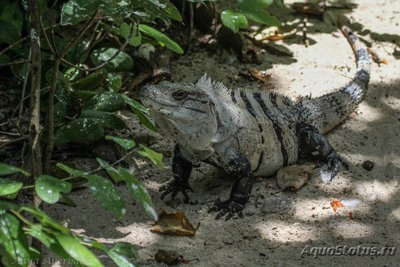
x=164, y=104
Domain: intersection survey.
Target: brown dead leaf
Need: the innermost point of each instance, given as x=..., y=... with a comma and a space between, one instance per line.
x=255, y=74
x=174, y=223
x=308, y=8
x=295, y=176
x=335, y=204
x=376, y=58
x=170, y=257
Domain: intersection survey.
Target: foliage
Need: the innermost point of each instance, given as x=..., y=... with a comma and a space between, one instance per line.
x=87, y=48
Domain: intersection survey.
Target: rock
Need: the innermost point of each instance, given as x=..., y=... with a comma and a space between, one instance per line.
x=281, y=205
x=368, y=165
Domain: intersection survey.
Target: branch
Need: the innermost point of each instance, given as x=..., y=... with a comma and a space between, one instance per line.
x=34, y=125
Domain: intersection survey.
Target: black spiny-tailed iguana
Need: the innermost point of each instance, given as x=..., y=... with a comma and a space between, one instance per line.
x=250, y=133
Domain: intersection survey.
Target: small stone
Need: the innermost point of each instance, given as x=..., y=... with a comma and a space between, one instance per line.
x=368, y=165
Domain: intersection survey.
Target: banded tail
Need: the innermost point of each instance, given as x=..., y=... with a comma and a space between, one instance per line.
x=331, y=109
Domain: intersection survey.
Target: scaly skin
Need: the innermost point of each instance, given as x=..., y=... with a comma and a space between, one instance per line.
x=250, y=133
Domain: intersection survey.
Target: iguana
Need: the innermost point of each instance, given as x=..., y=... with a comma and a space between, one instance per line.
x=249, y=133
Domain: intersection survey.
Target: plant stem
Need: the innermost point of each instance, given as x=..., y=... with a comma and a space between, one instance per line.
x=34, y=125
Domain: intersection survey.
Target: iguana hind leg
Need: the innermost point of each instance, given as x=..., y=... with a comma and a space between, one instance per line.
x=313, y=145
x=181, y=169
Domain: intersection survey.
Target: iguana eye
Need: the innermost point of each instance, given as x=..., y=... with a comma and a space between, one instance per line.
x=180, y=95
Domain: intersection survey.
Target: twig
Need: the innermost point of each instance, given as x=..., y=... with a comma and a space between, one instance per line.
x=122, y=47
x=13, y=141
x=15, y=62
x=21, y=105
x=34, y=125
x=52, y=91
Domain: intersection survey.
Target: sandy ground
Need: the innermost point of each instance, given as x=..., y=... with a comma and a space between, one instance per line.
x=263, y=237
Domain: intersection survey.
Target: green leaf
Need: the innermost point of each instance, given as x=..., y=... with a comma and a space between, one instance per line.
x=9, y=187
x=111, y=171
x=140, y=112
x=114, y=81
x=172, y=12
x=261, y=16
x=78, y=251
x=138, y=192
x=5, y=205
x=105, y=119
x=125, y=143
x=106, y=193
x=74, y=11
x=119, y=259
x=136, y=36
x=41, y=233
x=6, y=169
x=254, y=4
x=13, y=240
x=90, y=82
x=49, y=188
x=161, y=38
x=122, y=62
x=107, y=101
x=60, y=111
x=155, y=157
x=11, y=21
x=233, y=20
x=67, y=201
x=45, y=220
x=71, y=171
x=80, y=131
x=126, y=249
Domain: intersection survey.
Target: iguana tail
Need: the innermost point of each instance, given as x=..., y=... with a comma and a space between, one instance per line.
x=327, y=111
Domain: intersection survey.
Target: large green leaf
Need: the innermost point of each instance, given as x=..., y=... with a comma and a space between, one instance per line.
x=90, y=82
x=78, y=251
x=13, y=242
x=6, y=169
x=138, y=192
x=125, y=143
x=5, y=205
x=45, y=220
x=11, y=21
x=255, y=10
x=41, y=233
x=261, y=16
x=9, y=187
x=172, y=12
x=49, y=188
x=155, y=157
x=140, y=112
x=107, y=101
x=71, y=171
x=114, y=81
x=111, y=171
x=75, y=11
x=81, y=131
x=161, y=38
x=106, y=193
x=121, y=62
x=233, y=20
x=122, y=254
x=106, y=119
x=135, y=36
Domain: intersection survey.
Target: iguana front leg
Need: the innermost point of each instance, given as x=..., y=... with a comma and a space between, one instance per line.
x=181, y=169
x=239, y=166
x=313, y=145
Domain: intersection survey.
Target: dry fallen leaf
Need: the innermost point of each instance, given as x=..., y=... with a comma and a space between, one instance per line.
x=295, y=176
x=259, y=75
x=336, y=204
x=376, y=58
x=170, y=257
x=174, y=223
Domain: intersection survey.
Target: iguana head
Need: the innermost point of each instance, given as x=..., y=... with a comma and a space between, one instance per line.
x=185, y=112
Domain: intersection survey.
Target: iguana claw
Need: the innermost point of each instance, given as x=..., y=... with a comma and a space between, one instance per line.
x=174, y=187
x=228, y=208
